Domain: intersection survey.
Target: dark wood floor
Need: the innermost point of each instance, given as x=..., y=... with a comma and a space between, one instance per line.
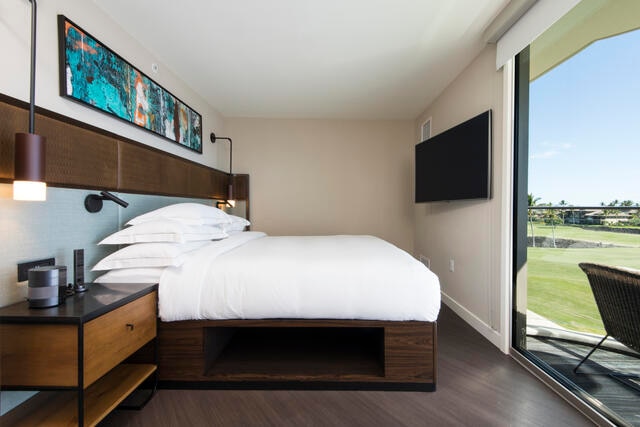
x=477, y=386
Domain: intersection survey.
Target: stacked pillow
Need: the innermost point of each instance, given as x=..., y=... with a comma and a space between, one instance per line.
x=187, y=213
x=165, y=230
x=236, y=225
x=163, y=238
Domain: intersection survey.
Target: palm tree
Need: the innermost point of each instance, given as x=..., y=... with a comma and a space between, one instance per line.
x=562, y=203
x=609, y=212
x=533, y=201
x=550, y=216
x=635, y=215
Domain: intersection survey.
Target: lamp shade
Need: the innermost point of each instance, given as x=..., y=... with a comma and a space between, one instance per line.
x=230, y=200
x=30, y=190
x=29, y=165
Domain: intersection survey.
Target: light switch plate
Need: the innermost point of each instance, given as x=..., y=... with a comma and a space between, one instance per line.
x=23, y=268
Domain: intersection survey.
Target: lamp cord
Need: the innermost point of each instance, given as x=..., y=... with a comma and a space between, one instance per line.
x=32, y=94
x=230, y=156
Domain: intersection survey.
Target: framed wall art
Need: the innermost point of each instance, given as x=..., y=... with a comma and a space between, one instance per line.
x=94, y=75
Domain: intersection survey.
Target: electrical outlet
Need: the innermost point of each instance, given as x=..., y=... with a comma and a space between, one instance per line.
x=23, y=268
x=426, y=261
x=452, y=265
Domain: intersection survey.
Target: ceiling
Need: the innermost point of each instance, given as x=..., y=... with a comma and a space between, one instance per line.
x=364, y=59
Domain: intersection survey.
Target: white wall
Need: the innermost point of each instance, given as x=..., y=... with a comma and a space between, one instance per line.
x=469, y=232
x=311, y=177
x=15, y=33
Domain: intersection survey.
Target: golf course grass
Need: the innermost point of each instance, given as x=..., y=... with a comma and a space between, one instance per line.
x=587, y=234
x=558, y=290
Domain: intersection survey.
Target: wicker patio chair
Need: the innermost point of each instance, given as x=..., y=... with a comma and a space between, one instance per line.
x=617, y=295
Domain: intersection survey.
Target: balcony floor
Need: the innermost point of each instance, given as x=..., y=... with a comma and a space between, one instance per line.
x=562, y=353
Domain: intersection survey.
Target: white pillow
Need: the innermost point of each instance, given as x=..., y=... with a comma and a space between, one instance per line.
x=132, y=275
x=164, y=230
x=237, y=224
x=187, y=213
x=148, y=255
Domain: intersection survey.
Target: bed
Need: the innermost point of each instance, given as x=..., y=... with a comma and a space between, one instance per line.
x=299, y=312
x=251, y=310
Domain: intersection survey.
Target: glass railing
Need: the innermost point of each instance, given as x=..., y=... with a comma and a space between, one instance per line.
x=561, y=237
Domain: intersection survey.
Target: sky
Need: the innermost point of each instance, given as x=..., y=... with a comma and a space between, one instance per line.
x=584, y=126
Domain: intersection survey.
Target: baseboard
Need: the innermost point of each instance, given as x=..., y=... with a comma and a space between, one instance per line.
x=476, y=323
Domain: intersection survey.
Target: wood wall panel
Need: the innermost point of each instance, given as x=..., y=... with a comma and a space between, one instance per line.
x=83, y=156
x=13, y=119
x=203, y=177
x=78, y=157
x=146, y=171
x=199, y=177
x=241, y=186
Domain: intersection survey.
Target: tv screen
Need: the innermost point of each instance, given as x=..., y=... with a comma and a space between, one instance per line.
x=456, y=164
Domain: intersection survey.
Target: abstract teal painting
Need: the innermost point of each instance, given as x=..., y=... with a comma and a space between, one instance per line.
x=94, y=75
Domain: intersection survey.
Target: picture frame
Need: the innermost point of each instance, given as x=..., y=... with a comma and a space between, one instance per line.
x=94, y=75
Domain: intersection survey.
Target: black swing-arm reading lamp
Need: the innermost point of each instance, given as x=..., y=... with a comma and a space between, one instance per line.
x=93, y=202
x=230, y=201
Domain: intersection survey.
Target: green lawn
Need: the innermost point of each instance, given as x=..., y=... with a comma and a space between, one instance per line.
x=559, y=290
x=577, y=233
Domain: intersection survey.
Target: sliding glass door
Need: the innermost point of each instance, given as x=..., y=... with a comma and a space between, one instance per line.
x=577, y=197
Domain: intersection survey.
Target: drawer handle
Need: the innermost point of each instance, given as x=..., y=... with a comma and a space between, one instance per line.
x=130, y=326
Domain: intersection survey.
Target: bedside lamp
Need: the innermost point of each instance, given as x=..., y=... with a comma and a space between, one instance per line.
x=93, y=202
x=28, y=183
x=29, y=151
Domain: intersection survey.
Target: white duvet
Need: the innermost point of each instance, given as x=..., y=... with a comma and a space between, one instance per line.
x=254, y=276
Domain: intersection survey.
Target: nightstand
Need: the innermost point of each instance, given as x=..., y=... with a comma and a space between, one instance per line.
x=73, y=353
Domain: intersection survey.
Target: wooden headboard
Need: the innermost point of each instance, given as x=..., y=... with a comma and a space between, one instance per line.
x=79, y=155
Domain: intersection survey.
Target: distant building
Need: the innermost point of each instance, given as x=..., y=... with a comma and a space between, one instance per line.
x=598, y=216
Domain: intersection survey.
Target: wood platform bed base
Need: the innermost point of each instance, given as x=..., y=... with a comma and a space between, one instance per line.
x=297, y=354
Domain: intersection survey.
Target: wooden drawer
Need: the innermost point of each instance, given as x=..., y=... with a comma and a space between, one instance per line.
x=38, y=355
x=111, y=338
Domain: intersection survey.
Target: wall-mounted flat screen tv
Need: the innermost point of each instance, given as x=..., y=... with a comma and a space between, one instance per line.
x=456, y=164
